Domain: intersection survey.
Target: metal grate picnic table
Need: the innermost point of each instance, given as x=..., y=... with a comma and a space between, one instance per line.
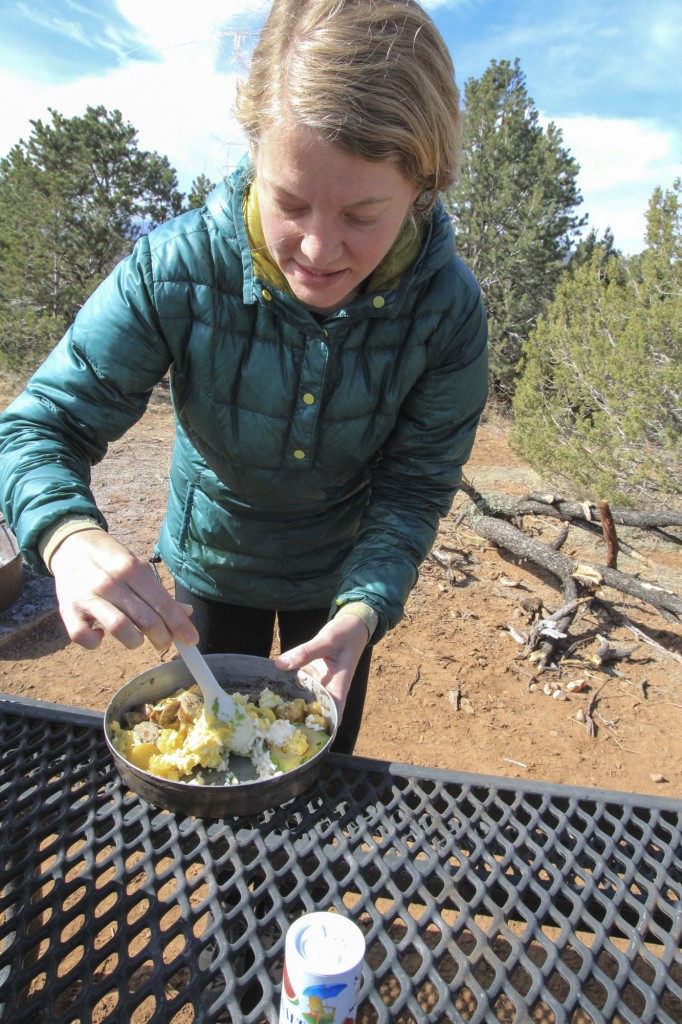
x=481, y=898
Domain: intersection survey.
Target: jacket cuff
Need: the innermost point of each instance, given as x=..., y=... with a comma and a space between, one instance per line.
x=362, y=611
x=51, y=538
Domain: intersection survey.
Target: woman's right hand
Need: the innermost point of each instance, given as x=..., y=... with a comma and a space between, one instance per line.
x=102, y=587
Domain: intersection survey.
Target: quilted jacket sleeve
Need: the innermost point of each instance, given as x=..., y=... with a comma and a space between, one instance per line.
x=420, y=471
x=93, y=386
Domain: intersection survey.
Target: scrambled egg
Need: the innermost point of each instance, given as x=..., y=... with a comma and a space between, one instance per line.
x=177, y=736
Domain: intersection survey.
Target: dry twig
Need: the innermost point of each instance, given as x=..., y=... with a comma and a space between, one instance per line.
x=647, y=639
x=411, y=686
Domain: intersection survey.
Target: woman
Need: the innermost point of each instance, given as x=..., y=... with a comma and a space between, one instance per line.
x=327, y=352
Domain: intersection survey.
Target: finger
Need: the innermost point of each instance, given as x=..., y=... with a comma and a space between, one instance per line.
x=297, y=657
x=161, y=618
x=316, y=669
x=120, y=626
x=105, y=617
x=143, y=606
x=150, y=621
x=82, y=629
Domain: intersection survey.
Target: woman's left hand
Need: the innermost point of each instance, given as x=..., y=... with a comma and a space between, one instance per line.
x=332, y=656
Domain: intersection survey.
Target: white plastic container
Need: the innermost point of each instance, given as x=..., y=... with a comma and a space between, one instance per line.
x=323, y=958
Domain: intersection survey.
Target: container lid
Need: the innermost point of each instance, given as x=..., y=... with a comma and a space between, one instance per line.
x=326, y=943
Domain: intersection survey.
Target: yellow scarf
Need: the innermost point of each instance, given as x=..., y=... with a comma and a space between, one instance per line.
x=399, y=257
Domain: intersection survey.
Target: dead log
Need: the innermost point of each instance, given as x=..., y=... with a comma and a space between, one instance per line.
x=508, y=536
x=569, y=571
x=535, y=503
x=621, y=516
x=584, y=515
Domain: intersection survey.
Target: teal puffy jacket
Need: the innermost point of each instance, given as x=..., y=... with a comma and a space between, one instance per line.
x=313, y=459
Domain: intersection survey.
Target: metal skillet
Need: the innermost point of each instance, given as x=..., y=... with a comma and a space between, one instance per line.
x=237, y=673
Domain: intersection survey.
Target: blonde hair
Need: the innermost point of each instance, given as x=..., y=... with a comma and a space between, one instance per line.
x=373, y=76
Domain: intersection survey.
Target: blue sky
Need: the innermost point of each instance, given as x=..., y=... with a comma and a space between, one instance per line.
x=608, y=73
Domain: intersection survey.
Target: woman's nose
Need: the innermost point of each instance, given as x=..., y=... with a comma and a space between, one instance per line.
x=321, y=244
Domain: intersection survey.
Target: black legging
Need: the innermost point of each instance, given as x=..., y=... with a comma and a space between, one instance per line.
x=231, y=629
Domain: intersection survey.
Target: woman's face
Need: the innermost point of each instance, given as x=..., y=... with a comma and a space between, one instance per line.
x=328, y=217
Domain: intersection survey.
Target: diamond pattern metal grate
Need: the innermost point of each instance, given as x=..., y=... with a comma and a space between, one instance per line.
x=482, y=899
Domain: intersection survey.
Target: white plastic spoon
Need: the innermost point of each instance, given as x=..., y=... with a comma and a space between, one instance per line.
x=216, y=701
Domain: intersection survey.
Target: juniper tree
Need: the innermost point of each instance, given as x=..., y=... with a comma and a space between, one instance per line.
x=513, y=209
x=599, y=402
x=73, y=199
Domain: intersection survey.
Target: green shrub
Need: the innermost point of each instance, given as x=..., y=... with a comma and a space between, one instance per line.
x=598, y=403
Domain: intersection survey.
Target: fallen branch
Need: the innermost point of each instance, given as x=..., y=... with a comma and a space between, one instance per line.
x=560, y=538
x=605, y=652
x=584, y=515
x=557, y=626
x=497, y=519
x=621, y=516
x=565, y=568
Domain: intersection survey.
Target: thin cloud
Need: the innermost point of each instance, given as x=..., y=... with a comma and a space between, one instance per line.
x=621, y=162
x=616, y=150
x=58, y=41
x=59, y=26
x=615, y=57
x=665, y=30
x=81, y=31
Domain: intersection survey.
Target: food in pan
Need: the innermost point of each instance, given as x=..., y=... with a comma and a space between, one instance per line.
x=178, y=736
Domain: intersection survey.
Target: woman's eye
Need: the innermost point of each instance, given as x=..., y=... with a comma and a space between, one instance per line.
x=292, y=211
x=361, y=222
x=301, y=211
